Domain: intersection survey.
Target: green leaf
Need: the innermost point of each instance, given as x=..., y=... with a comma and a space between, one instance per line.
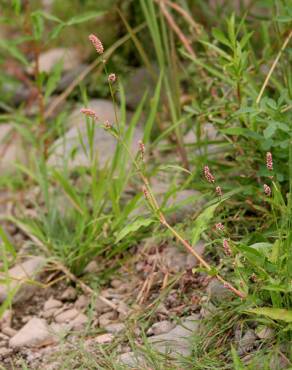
x=7, y=244
x=13, y=51
x=54, y=78
x=238, y=365
x=134, y=226
x=219, y=35
x=240, y=131
x=270, y=130
x=280, y=314
x=84, y=17
x=202, y=222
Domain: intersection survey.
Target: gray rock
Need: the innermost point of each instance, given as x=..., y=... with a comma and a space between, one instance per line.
x=139, y=81
x=52, y=303
x=104, y=142
x=132, y=360
x=247, y=342
x=79, y=321
x=101, y=307
x=104, y=338
x=217, y=291
x=176, y=259
x=91, y=268
x=48, y=59
x=115, y=328
x=161, y=327
x=177, y=340
x=208, y=310
x=67, y=316
x=106, y=318
x=69, y=294
x=5, y=352
x=19, y=276
x=35, y=333
x=12, y=148
x=82, y=302
x=7, y=330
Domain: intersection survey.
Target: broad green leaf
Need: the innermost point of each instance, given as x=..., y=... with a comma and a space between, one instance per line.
x=134, y=226
x=270, y=130
x=202, y=222
x=273, y=313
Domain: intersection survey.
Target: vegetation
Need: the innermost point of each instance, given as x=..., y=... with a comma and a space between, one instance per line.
x=218, y=66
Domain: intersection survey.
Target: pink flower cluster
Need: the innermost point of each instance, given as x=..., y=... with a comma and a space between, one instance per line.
x=89, y=113
x=96, y=43
x=208, y=175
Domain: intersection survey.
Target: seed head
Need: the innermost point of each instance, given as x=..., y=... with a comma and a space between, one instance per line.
x=269, y=161
x=96, y=43
x=267, y=190
x=146, y=193
x=89, y=113
x=208, y=175
x=112, y=78
x=220, y=226
x=219, y=191
x=142, y=149
x=107, y=125
x=226, y=247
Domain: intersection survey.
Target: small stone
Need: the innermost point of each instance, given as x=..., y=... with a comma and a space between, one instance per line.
x=101, y=307
x=9, y=331
x=217, y=291
x=104, y=338
x=67, y=316
x=247, y=342
x=82, y=302
x=69, y=294
x=115, y=328
x=207, y=310
x=162, y=309
x=177, y=340
x=161, y=327
x=35, y=333
x=106, y=318
x=48, y=59
x=115, y=283
x=91, y=268
x=264, y=332
x=20, y=275
x=5, y=352
x=52, y=303
x=132, y=360
x=79, y=321
x=123, y=310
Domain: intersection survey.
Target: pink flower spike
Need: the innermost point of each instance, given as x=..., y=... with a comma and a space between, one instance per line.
x=267, y=190
x=112, y=78
x=269, y=161
x=219, y=191
x=142, y=149
x=226, y=247
x=89, y=113
x=220, y=226
x=208, y=175
x=96, y=43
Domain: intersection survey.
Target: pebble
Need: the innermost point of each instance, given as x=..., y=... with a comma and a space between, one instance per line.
x=115, y=328
x=9, y=331
x=79, y=321
x=82, y=302
x=67, y=316
x=106, y=318
x=35, y=333
x=69, y=294
x=161, y=327
x=19, y=275
x=101, y=307
x=52, y=303
x=247, y=342
x=91, y=268
x=104, y=338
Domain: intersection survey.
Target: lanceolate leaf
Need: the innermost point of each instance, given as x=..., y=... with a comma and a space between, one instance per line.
x=273, y=313
x=134, y=226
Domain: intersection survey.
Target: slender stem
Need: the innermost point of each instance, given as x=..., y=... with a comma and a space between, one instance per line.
x=273, y=66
